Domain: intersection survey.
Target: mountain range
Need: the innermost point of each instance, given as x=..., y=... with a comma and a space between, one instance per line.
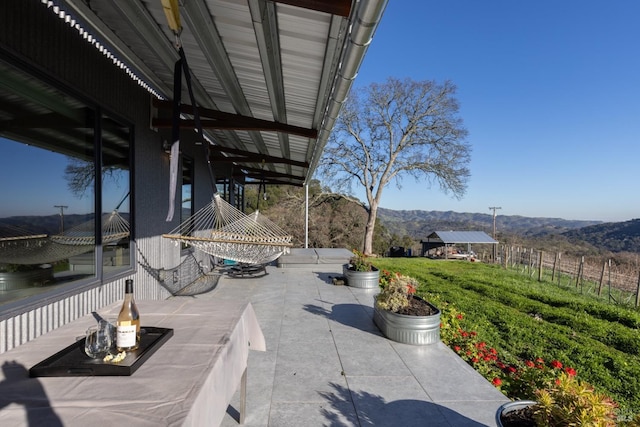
x=611, y=236
x=418, y=224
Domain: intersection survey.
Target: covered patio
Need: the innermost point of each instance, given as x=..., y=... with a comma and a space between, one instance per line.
x=174, y=101
x=447, y=239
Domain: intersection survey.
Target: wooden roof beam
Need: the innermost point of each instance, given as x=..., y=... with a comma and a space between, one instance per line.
x=260, y=173
x=247, y=156
x=212, y=119
x=334, y=7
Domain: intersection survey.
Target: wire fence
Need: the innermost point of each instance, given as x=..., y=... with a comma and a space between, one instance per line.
x=617, y=284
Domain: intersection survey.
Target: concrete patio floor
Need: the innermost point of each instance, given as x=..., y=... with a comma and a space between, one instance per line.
x=327, y=364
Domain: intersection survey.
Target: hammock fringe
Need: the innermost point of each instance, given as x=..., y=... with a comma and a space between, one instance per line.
x=19, y=246
x=219, y=229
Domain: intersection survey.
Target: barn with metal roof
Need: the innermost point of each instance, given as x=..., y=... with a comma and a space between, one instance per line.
x=443, y=239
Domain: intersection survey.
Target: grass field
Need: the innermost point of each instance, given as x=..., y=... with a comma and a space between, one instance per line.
x=524, y=319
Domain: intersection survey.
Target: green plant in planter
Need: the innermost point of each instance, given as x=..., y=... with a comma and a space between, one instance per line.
x=359, y=262
x=16, y=268
x=396, y=290
x=568, y=401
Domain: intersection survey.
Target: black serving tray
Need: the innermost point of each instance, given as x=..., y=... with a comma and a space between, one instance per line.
x=73, y=361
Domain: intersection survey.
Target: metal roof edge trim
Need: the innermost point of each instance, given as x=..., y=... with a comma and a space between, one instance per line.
x=365, y=20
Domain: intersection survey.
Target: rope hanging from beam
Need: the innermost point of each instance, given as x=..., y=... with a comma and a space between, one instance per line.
x=219, y=229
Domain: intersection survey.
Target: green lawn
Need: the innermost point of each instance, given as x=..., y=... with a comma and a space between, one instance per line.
x=523, y=318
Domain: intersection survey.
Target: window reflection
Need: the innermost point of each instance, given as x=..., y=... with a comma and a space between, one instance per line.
x=48, y=185
x=115, y=196
x=232, y=192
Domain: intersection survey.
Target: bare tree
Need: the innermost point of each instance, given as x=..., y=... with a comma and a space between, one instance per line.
x=80, y=175
x=395, y=129
x=335, y=220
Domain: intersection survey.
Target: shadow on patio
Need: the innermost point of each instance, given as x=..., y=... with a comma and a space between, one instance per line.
x=327, y=364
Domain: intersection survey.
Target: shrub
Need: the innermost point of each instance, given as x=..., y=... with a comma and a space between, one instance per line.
x=396, y=290
x=359, y=262
x=570, y=402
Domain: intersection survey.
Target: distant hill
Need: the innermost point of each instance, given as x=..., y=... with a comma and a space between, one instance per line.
x=44, y=224
x=418, y=224
x=613, y=236
x=582, y=236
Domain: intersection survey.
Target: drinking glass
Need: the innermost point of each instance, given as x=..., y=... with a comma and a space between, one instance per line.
x=110, y=325
x=98, y=340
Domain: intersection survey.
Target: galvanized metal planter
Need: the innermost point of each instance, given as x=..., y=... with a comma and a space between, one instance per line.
x=25, y=279
x=414, y=330
x=361, y=279
x=511, y=406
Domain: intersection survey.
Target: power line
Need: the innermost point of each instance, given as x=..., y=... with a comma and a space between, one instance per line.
x=62, y=208
x=495, y=249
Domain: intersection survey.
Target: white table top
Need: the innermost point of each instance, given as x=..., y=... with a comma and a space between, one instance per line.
x=188, y=381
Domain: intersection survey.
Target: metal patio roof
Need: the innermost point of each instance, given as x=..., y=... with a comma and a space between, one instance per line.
x=270, y=76
x=451, y=237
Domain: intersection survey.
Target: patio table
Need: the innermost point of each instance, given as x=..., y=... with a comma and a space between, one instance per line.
x=189, y=381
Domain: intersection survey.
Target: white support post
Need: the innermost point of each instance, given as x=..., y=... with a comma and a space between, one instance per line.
x=306, y=216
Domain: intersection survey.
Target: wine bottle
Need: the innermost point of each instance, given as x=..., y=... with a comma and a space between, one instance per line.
x=128, y=324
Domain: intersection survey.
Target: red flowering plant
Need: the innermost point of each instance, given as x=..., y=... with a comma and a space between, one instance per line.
x=385, y=277
x=482, y=357
x=360, y=262
x=523, y=378
x=518, y=379
x=450, y=318
x=563, y=400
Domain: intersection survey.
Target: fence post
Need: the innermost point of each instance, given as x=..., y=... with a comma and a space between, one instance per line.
x=638, y=292
x=604, y=267
x=579, y=273
x=609, y=280
x=505, y=258
x=555, y=262
x=540, y=266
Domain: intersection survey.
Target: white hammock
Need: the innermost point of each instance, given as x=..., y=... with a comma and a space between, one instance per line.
x=18, y=246
x=221, y=230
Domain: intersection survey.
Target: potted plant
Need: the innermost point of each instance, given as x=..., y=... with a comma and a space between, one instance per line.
x=401, y=315
x=360, y=273
x=564, y=402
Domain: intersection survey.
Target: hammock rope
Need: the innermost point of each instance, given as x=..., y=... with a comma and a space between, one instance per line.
x=221, y=230
x=186, y=279
x=19, y=246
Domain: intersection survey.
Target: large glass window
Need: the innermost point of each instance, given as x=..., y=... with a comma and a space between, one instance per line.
x=232, y=192
x=64, y=186
x=115, y=141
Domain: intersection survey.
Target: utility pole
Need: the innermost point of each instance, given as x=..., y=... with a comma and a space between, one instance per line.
x=494, y=208
x=62, y=208
x=495, y=248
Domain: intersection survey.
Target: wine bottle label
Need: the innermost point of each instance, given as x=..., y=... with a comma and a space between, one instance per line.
x=126, y=336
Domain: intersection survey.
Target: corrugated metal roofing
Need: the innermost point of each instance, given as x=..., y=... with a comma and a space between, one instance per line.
x=461, y=237
x=288, y=62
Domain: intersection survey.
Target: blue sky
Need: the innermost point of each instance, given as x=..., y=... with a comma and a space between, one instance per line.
x=550, y=94
x=42, y=184
x=40, y=178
